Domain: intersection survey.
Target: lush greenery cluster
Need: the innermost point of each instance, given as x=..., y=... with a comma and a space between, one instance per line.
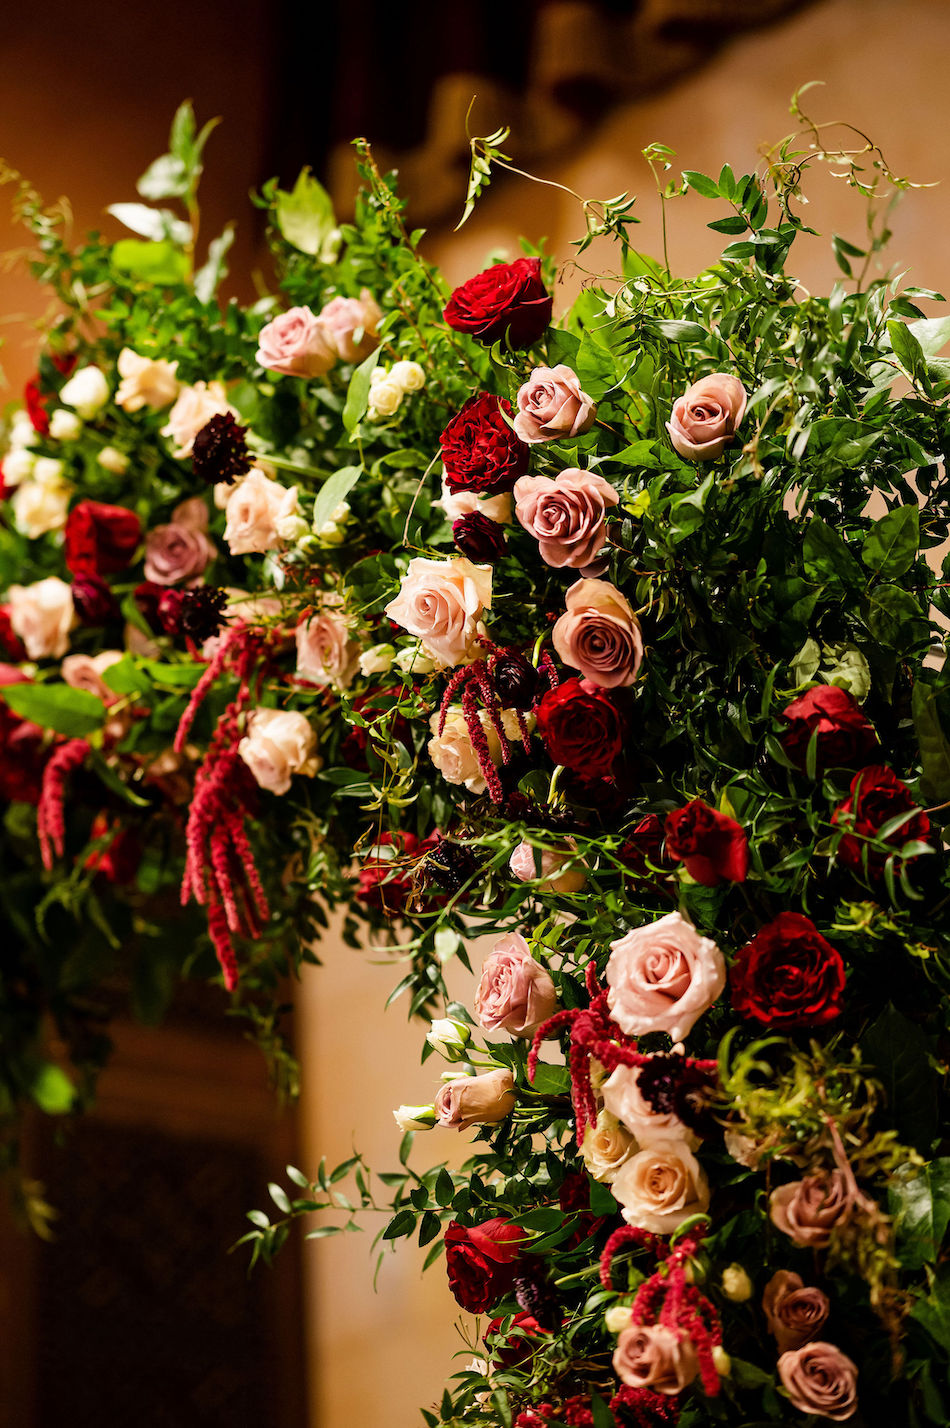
x=728, y=809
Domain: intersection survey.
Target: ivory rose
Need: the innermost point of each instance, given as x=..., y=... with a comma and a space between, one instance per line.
x=297, y=344
x=624, y=1099
x=607, y=1147
x=41, y=615
x=551, y=405
x=452, y=751
x=515, y=993
x=795, y=1312
x=808, y=1210
x=820, y=1379
x=255, y=513
x=326, y=650
x=146, y=382
x=662, y=1186
x=652, y=1356
x=475, y=1100
x=456, y=504
x=40, y=507
x=599, y=634
x=662, y=977
x=193, y=409
x=350, y=325
x=565, y=515
x=277, y=744
x=87, y=392
x=441, y=602
x=705, y=418
x=522, y=866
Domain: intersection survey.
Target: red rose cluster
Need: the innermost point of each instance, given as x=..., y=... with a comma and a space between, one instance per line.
x=100, y=540
x=480, y=451
x=788, y=976
x=508, y=301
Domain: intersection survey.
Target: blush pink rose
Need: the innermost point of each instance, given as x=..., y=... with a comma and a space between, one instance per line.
x=260, y=514
x=297, y=344
x=808, y=1210
x=661, y=1186
x=662, y=977
x=551, y=405
x=177, y=553
x=565, y=515
x=441, y=601
x=795, y=1312
x=820, y=1379
x=705, y=418
x=515, y=993
x=475, y=1100
x=326, y=650
x=624, y=1099
x=652, y=1356
x=599, y=634
x=350, y=325
x=194, y=407
x=82, y=671
x=277, y=744
x=42, y=615
x=522, y=866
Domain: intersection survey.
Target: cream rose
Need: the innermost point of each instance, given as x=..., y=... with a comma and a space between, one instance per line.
x=515, y=993
x=820, y=1379
x=145, y=382
x=279, y=743
x=705, y=418
x=464, y=503
x=254, y=512
x=297, y=344
x=42, y=615
x=566, y=515
x=410, y=376
x=475, y=1100
x=350, y=325
x=663, y=976
x=40, y=508
x=551, y=406
x=624, y=1099
x=326, y=650
x=662, y=1186
x=808, y=1210
x=193, y=409
x=64, y=425
x=606, y=1148
x=599, y=634
x=652, y=1356
x=87, y=392
x=452, y=751
x=441, y=602
x=795, y=1312
x=521, y=864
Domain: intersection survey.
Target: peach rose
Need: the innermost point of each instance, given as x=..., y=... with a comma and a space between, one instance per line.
x=652, y=1356
x=277, y=744
x=793, y=1311
x=146, y=382
x=42, y=615
x=599, y=634
x=350, y=325
x=255, y=512
x=565, y=515
x=705, y=418
x=551, y=405
x=624, y=1099
x=515, y=993
x=521, y=864
x=475, y=1100
x=607, y=1147
x=297, y=344
x=662, y=1186
x=82, y=671
x=808, y=1210
x=442, y=601
x=452, y=751
x=662, y=977
x=193, y=409
x=820, y=1379
x=326, y=650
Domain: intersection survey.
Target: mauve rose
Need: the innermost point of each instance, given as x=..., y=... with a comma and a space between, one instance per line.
x=832, y=716
x=808, y=1210
x=441, y=602
x=475, y=1100
x=705, y=418
x=662, y=977
x=194, y=407
x=507, y=301
x=326, y=650
x=515, y=993
x=565, y=515
x=652, y=1356
x=599, y=634
x=606, y=1148
x=522, y=866
x=277, y=744
x=794, y=1312
x=177, y=554
x=624, y=1099
x=41, y=615
x=820, y=1379
x=297, y=344
x=350, y=324
x=551, y=405
x=256, y=512
x=661, y=1186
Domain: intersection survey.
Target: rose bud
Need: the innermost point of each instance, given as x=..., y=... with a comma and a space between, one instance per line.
x=93, y=601
x=506, y=301
x=551, y=406
x=736, y=1284
x=87, y=391
x=413, y=1118
x=705, y=418
x=350, y=325
x=522, y=866
x=479, y=538
x=712, y=845
x=475, y=1100
x=448, y=1037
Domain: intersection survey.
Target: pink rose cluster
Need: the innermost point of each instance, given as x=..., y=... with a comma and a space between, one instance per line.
x=300, y=343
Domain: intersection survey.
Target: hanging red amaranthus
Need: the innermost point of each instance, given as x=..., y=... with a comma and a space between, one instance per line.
x=50, y=815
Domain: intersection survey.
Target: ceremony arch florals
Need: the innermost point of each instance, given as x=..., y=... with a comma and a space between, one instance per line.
x=613, y=636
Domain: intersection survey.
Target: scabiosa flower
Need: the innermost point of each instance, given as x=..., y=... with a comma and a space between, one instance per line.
x=220, y=450
x=196, y=614
x=515, y=680
x=479, y=538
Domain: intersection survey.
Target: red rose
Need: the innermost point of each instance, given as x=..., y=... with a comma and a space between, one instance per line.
x=11, y=646
x=482, y=1261
x=94, y=602
x=516, y=1346
x=845, y=739
x=877, y=795
x=118, y=860
x=479, y=538
x=581, y=728
x=386, y=877
x=788, y=975
x=713, y=846
x=37, y=401
x=509, y=298
x=480, y=451
x=100, y=538
x=644, y=843
x=23, y=749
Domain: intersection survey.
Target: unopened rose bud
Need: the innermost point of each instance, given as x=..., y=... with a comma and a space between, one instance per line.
x=617, y=1318
x=448, y=1037
x=18, y=466
x=64, y=425
x=113, y=460
x=408, y=375
x=412, y=1118
x=340, y=514
x=87, y=391
x=722, y=1363
x=378, y=660
x=290, y=528
x=736, y=1284
x=330, y=534
x=414, y=660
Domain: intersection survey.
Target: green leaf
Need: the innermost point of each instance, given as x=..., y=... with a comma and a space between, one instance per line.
x=890, y=547
x=160, y=263
x=932, y=741
x=402, y=1224
x=895, y=619
x=279, y=1196
x=676, y=331
x=181, y=139
x=215, y=269
x=305, y=216
x=154, y=223
x=335, y=489
x=827, y=559
x=898, y=1051
x=167, y=177
x=919, y=1196
x=357, y=393
x=906, y=348
x=51, y=1089
x=71, y=712
x=701, y=183
x=932, y=333
x=112, y=781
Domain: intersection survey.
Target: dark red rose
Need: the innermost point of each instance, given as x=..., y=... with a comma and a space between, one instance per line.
x=712, y=845
x=23, y=749
x=386, y=875
x=877, y=795
x=117, y=861
x=168, y=611
x=845, y=739
x=94, y=602
x=509, y=298
x=581, y=728
x=37, y=400
x=11, y=646
x=101, y=539
x=480, y=451
x=147, y=597
x=517, y=1344
x=482, y=1261
x=479, y=538
x=644, y=843
x=788, y=975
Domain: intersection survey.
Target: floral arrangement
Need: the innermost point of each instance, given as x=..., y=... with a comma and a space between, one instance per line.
x=616, y=640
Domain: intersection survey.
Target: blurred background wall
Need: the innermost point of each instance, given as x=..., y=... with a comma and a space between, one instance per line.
x=85, y=102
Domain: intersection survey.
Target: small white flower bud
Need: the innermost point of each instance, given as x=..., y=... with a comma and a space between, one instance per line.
x=48, y=471
x=384, y=399
x=22, y=431
x=722, y=1363
x=64, y=425
x=113, y=460
x=18, y=466
x=408, y=375
x=617, y=1318
x=736, y=1284
x=378, y=660
x=291, y=528
x=87, y=391
x=410, y=1118
x=448, y=1037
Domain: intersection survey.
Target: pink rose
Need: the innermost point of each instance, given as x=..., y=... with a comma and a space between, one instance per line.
x=552, y=405
x=808, y=1210
x=661, y=1186
x=566, y=515
x=515, y=993
x=794, y=1312
x=297, y=344
x=704, y=419
x=277, y=744
x=662, y=977
x=441, y=601
x=350, y=325
x=177, y=554
x=522, y=866
x=624, y=1099
x=820, y=1379
x=599, y=634
x=475, y=1100
x=82, y=671
x=652, y=1356
x=260, y=514
x=193, y=409
x=41, y=615
x=326, y=651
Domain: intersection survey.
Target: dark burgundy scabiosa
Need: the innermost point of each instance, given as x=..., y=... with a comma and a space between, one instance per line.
x=843, y=737
x=481, y=539
x=788, y=975
x=673, y=1084
x=480, y=451
x=538, y=1297
x=877, y=795
x=482, y=1262
x=93, y=601
x=508, y=301
x=220, y=450
x=581, y=728
x=515, y=680
x=196, y=614
x=450, y=865
x=712, y=845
